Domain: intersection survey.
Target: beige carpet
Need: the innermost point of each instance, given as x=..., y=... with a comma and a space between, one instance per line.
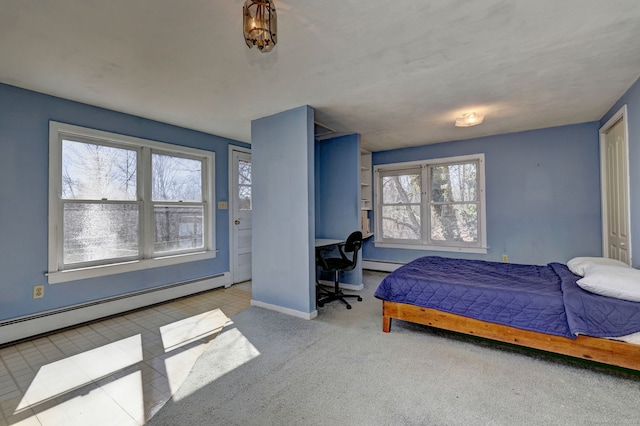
x=340, y=369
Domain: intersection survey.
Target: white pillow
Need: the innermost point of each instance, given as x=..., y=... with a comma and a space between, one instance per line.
x=612, y=281
x=577, y=264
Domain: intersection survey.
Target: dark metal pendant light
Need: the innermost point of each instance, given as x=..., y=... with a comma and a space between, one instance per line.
x=260, y=24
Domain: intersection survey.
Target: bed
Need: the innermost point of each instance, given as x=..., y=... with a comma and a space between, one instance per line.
x=540, y=307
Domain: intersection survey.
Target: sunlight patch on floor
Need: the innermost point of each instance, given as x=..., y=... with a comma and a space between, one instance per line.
x=190, y=329
x=232, y=350
x=60, y=377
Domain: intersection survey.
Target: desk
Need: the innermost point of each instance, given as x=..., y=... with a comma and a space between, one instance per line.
x=326, y=242
x=323, y=243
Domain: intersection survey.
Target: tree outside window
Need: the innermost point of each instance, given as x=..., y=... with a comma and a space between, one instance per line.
x=431, y=203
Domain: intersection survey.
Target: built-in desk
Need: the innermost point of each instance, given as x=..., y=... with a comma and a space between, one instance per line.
x=325, y=242
x=320, y=243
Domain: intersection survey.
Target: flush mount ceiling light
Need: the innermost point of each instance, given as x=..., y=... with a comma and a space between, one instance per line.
x=469, y=119
x=260, y=24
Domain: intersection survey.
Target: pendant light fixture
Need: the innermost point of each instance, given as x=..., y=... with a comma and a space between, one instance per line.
x=260, y=24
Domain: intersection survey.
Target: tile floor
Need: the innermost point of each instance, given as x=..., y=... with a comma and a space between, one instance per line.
x=119, y=371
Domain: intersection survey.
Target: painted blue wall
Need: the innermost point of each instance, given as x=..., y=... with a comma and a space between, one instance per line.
x=338, y=193
x=542, y=194
x=338, y=190
x=24, y=175
x=283, y=253
x=632, y=99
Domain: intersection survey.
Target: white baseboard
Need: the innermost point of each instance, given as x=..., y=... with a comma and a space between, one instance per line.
x=44, y=322
x=344, y=286
x=377, y=265
x=287, y=311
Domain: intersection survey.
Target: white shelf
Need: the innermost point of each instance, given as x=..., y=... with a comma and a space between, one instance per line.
x=366, y=192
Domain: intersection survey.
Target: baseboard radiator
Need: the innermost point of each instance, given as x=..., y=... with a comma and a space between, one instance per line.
x=380, y=265
x=45, y=322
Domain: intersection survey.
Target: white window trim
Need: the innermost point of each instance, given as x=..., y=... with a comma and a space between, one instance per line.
x=480, y=248
x=55, y=275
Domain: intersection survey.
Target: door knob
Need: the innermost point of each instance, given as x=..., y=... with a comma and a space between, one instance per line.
x=237, y=222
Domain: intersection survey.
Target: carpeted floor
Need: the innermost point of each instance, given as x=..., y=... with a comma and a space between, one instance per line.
x=340, y=369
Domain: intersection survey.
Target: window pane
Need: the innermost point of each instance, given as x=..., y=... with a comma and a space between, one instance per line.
x=244, y=172
x=454, y=183
x=401, y=189
x=244, y=197
x=98, y=172
x=401, y=222
x=176, y=178
x=454, y=223
x=99, y=231
x=178, y=228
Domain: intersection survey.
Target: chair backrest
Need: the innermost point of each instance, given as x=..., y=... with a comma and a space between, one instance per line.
x=352, y=245
x=354, y=242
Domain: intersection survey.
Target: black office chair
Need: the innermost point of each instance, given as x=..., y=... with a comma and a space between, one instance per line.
x=337, y=265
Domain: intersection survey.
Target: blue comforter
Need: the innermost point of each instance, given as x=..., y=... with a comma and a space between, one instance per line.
x=538, y=298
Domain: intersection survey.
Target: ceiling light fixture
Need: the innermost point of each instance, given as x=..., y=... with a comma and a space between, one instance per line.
x=469, y=119
x=260, y=24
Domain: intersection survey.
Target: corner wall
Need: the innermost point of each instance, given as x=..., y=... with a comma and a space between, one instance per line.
x=283, y=253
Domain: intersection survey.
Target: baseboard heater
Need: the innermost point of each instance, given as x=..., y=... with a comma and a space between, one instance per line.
x=380, y=265
x=45, y=322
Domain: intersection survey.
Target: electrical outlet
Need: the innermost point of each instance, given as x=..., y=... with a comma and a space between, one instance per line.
x=505, y=258
x=38, y=291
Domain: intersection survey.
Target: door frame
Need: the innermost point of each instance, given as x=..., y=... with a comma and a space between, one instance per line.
x=621, y=114
x=232, y=228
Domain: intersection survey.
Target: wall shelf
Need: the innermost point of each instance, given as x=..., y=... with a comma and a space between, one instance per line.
x=366, y=193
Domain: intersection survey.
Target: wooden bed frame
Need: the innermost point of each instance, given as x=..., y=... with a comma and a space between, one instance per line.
x=606, y=351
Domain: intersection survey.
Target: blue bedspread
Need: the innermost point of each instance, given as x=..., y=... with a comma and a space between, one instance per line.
x=538, y=298
x=595, y=315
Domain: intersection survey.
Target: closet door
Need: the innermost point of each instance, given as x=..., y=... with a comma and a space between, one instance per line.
x=615, y=192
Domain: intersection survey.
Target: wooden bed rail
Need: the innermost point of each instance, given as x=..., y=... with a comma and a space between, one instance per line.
x=606, y=351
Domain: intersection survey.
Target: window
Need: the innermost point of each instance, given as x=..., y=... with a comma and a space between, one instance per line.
x=119, y=204
x=432, y=205
x=244, y=185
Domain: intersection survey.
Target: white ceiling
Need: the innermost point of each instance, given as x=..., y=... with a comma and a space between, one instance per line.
x=398, y=72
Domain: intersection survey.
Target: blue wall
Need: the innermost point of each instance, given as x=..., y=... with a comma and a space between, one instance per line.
x=542, y=194
x=632, y=99
x=338, y=193
x=24, y=174
x=283, y=254
x=338, y=188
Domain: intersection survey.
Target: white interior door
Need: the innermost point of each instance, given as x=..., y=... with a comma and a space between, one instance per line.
x=615, y=195
x=241, y=207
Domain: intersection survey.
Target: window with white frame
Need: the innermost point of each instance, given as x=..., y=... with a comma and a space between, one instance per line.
x=432, y=205
x=118, y=203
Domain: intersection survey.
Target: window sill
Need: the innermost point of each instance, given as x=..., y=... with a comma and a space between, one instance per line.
x=452, y=249
x=118, y=268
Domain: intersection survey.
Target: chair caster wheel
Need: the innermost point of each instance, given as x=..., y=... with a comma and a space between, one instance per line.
x=348, y=306
x=359, y=299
